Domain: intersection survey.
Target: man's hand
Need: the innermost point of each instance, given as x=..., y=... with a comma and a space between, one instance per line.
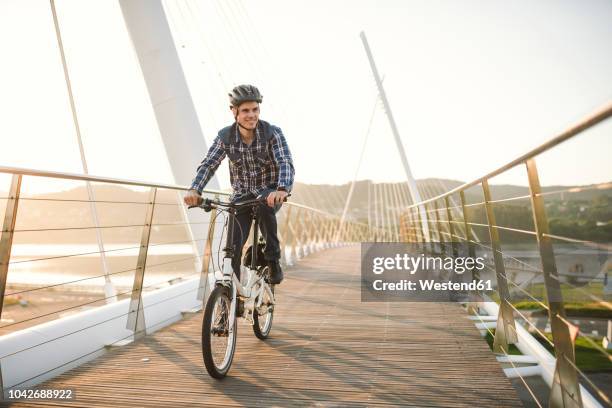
x=276, y=197
x=192, y=198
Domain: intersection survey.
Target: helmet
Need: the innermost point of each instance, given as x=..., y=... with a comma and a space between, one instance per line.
x=244, y=93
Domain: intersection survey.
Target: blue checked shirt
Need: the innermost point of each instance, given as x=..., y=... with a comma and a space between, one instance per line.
x=265, y=164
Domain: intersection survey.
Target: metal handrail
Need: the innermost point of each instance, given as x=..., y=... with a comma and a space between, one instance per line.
x=602, y=114
x=152, y=285
x=81, y=177
x=300, y=236
x=440, y=228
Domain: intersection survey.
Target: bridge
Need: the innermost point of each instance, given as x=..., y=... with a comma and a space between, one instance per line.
x=328, y=349
x=102, y=288
x=328, y=346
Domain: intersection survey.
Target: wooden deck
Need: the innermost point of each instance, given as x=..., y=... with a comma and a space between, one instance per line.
x=326, y=349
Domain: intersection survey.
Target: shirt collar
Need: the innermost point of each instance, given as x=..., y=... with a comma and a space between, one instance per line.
x=257, y=132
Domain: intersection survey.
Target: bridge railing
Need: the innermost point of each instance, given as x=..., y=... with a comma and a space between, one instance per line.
x=115, y=244
x=454, y=219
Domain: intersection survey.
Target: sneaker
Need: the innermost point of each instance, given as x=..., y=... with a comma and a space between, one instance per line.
x=276, y=273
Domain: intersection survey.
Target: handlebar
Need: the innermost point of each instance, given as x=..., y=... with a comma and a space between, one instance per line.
x=208, y=204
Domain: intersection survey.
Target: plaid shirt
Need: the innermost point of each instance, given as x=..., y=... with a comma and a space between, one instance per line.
x=253, y=169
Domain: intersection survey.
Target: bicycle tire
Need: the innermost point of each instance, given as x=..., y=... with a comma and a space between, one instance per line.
x=219, y=302
x=262, y=329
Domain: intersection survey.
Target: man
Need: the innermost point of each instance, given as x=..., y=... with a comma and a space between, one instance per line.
x=260, y=166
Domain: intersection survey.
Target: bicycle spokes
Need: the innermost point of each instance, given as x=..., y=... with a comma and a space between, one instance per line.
x=218, y=334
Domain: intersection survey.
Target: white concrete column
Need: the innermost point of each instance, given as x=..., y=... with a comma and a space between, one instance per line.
x=175, y=113
x=174, y=110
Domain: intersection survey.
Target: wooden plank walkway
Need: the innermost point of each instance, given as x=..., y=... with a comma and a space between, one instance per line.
x=326, y=349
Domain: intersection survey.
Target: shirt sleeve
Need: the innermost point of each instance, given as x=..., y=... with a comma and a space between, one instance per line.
x=209, y=165
x=282, y=157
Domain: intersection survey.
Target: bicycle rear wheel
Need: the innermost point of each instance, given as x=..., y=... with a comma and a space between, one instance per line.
x=262, y=323
x=218, y=333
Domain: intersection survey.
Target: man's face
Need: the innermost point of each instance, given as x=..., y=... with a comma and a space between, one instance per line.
x=248, y=114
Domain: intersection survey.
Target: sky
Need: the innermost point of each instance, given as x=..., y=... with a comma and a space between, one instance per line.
x=472, y=85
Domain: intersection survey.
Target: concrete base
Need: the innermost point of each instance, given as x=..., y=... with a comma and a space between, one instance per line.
x=38, y=353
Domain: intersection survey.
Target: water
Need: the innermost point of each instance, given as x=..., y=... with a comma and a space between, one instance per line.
x=29, y=266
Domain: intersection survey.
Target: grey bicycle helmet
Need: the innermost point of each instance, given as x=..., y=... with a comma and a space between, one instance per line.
x=244, y=93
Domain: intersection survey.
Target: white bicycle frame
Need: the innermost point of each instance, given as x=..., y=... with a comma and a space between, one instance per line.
x=252, y=292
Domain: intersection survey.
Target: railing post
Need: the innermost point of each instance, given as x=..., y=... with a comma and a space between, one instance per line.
x=314, y=220
x=285, y=258
x=431, y=224
x=303, y=235
x=314, y=232
x=470, y=246
x=326, y=232
x=326, y=239
x=203, y=287
x=407, y=225
x=334, y=228
x=413, y=226
x=330, y=231
x=451, y=227
x=323, y=226
x=565, y=391
x=505, y=331
x=423, y=238
x=334, y=236
x=418, y=232
x=136, y=318
x=6, y=244
x=340, y=230
x=468, y=231
x=305, y=226
x=402, y=228
x=441, y=240
x=8, y=228
x=430, y=231
x=348, y=233
x=297, y=240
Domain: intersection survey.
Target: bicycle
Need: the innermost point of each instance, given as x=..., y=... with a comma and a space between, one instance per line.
x=219, y=326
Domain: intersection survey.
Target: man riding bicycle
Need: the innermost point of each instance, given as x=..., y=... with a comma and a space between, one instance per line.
x=260, y=166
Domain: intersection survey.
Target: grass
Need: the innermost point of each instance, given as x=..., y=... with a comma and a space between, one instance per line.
x=512, y=348
x=571, y=294
x=588, y=358
x=577, y=303
x=582, y=309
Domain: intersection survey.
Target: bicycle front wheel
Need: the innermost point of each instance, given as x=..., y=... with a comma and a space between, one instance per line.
x=218, y=333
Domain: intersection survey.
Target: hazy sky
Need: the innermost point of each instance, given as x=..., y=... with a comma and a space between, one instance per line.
x=472, y=84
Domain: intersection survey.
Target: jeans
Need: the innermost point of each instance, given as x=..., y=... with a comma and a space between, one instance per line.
x=267, y=225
